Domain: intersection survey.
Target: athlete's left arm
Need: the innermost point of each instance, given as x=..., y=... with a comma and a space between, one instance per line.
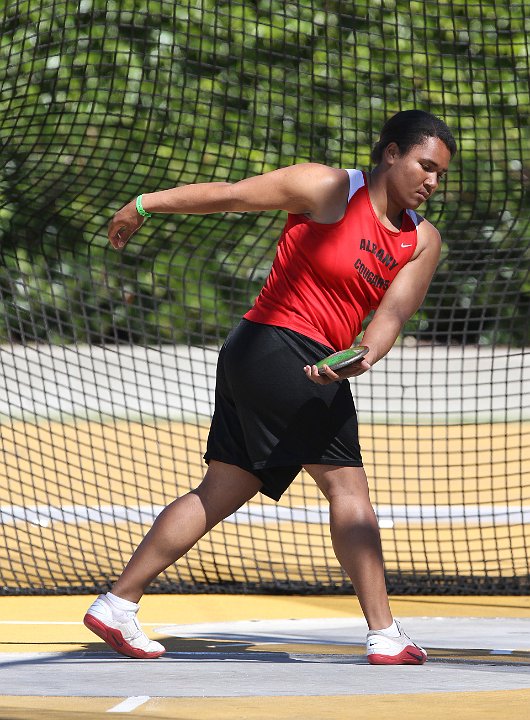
x=404, y=296
x=400, y=302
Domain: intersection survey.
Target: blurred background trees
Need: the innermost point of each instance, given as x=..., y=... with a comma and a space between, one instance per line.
x=101, y=100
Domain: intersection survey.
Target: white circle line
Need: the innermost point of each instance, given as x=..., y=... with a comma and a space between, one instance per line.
x=131, y=703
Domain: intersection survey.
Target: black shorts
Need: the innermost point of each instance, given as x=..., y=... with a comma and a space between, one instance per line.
x=269, y=418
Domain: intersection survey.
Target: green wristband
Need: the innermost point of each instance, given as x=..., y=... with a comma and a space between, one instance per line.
x=140, y=209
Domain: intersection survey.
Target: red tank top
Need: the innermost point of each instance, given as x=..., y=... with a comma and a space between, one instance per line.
x=326, y=278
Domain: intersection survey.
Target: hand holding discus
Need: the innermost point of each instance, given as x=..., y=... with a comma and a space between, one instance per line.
x=339, y=366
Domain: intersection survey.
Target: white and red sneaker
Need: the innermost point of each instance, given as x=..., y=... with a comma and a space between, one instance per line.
x=382, y=649
x=121, y=630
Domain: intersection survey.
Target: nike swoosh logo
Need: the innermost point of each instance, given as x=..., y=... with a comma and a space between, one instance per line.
x=118, y=641
x=419, y=658
x=405, y=246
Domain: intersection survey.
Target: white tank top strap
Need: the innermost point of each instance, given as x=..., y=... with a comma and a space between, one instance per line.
x=416, y=219
x=356, y=182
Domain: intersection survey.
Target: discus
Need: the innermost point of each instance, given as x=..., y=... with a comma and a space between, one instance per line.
x=342, y=359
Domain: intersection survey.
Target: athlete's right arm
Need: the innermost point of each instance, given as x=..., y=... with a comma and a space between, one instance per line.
x=319, y=191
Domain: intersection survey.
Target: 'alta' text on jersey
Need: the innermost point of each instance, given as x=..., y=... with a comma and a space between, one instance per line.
x=380, y=254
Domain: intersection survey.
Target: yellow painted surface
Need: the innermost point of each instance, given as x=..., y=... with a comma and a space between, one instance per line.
x=217, y=607
x=512, y=704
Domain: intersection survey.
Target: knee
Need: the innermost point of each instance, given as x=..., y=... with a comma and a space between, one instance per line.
x=342, y=484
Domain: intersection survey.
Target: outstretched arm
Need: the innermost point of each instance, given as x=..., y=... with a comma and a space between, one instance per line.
x=316, y=190
x=402, y=299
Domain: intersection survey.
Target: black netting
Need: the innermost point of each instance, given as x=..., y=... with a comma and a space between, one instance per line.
x=101, y=421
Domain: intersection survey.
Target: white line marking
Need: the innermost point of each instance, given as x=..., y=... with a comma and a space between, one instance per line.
x=37, y=622
x=388, y=515
x=130, y=704
x=55, y=622
x=501, y=652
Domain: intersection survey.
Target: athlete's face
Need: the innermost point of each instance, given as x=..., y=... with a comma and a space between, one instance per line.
x=415, y=175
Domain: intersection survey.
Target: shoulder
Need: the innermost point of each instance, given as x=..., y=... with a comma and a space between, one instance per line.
x=322, y=174
x=429, y=239
x=327, y=187
x=427, y=233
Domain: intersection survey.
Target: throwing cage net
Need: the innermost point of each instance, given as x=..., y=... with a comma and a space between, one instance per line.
x=107, y=359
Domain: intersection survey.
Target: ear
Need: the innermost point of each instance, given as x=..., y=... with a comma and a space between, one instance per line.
x=391, y=153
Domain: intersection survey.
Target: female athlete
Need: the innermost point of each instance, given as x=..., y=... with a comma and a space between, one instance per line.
x=352, y=243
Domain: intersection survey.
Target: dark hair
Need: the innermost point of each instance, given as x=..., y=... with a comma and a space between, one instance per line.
x=410, y=127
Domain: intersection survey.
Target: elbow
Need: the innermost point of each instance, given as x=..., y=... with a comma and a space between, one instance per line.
x=236, y=198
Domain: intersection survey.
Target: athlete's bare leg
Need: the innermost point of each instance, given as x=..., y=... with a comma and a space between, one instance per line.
x=355, y=536
x=181, y=524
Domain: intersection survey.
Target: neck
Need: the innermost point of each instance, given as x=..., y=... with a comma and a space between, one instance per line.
x=386, y=209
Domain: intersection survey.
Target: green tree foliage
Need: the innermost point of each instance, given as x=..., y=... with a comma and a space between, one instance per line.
x=103, y=99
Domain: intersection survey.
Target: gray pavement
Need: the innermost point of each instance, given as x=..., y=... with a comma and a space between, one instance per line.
x=272, y=658
x=245, y=674
x=461, y=633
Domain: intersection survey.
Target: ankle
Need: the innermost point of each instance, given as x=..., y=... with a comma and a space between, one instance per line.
x=126, y=593
x=379, y=620
x=121, y=603
x=391, y=631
